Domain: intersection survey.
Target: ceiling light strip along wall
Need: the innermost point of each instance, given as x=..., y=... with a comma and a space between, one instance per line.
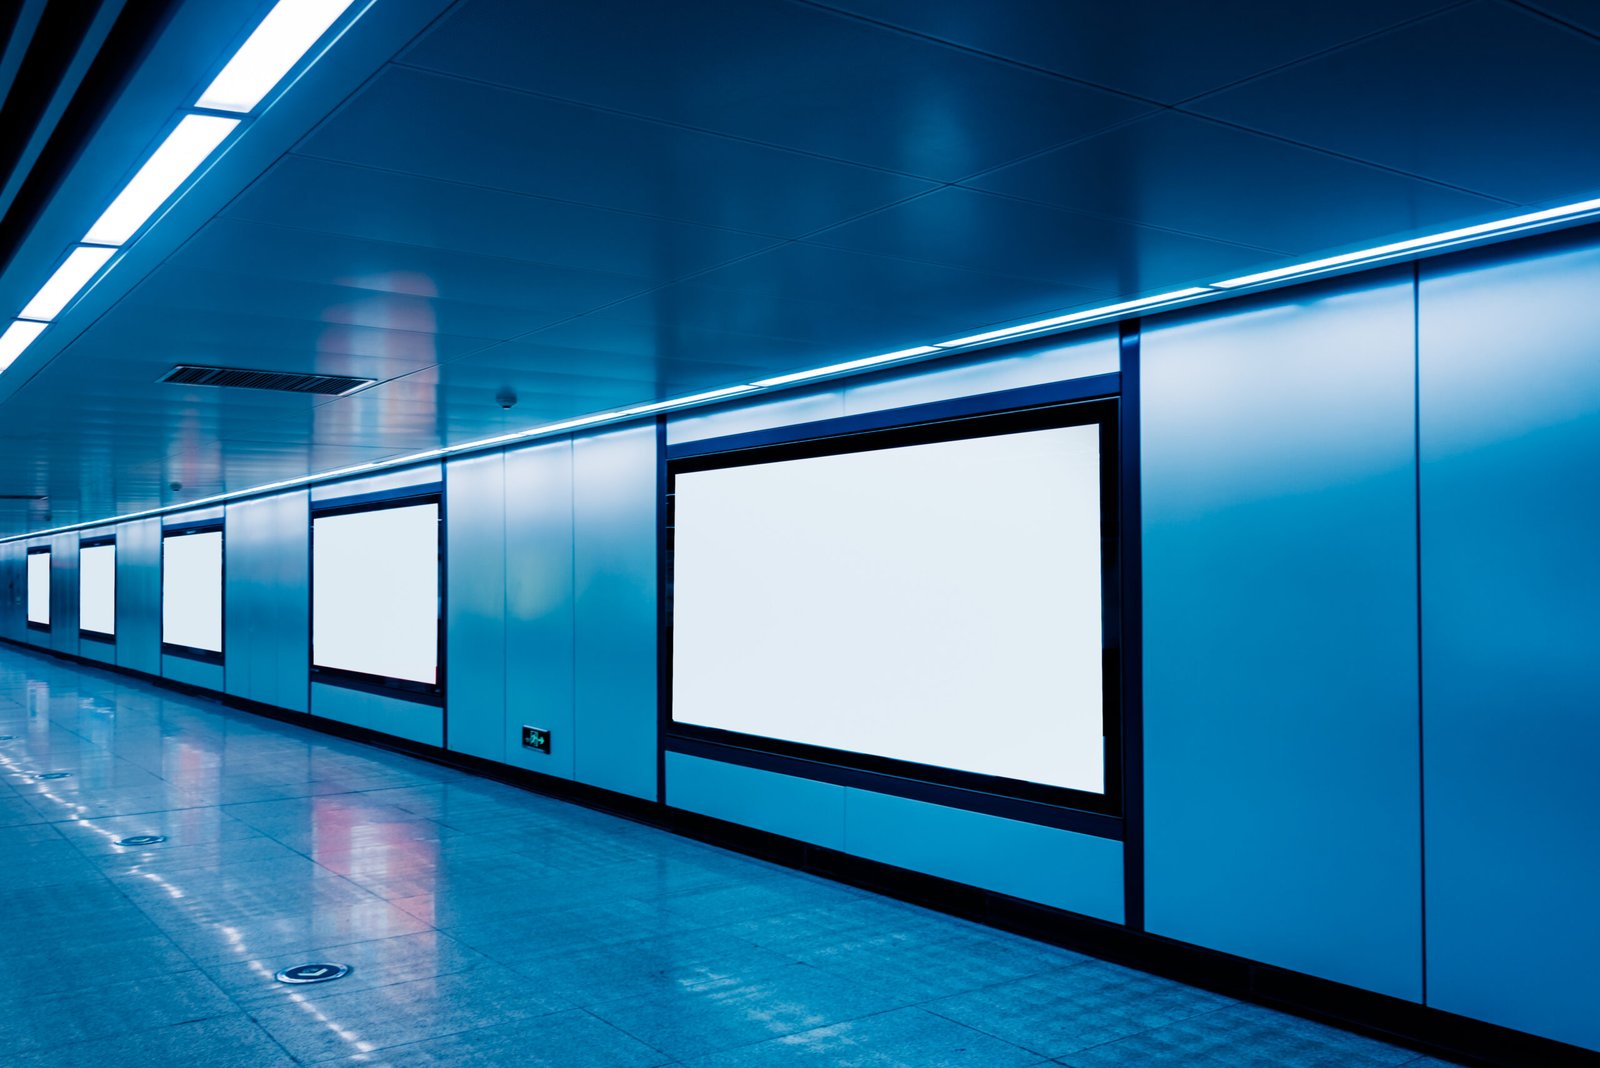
x=22, y=332
x=276, y=46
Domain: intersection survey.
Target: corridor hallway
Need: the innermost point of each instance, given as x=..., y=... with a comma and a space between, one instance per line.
x=486, y=925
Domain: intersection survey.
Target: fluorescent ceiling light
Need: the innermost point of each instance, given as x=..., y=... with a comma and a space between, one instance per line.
x=18, y=336
x=851, y=365
x=1498, y=228
x=83, y=264
x=1077, y=317
x=284, y=36
x=185, y=148
x=679, y=402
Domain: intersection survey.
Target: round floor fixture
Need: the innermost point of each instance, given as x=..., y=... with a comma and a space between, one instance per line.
x=51, y=775
x=313, y=973
x=142, y=840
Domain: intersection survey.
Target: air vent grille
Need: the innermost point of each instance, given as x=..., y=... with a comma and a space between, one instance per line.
x=237, y=377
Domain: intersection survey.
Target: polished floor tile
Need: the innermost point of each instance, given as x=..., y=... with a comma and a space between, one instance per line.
x=486, y=925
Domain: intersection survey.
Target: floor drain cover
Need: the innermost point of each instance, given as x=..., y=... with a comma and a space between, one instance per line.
x=47, y=776
x=313, y=973
x=143, y=840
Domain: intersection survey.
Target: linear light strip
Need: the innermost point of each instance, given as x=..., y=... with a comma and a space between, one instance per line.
x=849, y=365
x=1078, y=318
x=278, y=43
x=81, y=264
x=180, y=155
x=18, y=336
x=1431, y=243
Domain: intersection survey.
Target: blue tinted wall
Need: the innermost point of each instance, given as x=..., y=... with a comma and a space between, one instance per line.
x=1371, y=508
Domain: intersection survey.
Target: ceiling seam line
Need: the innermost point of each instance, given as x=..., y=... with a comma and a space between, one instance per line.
x=1371, y=35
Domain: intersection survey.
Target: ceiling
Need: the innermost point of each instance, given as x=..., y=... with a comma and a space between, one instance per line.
x=613, y=202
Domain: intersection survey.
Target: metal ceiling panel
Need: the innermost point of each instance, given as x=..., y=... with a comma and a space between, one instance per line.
x=1582, y=14
x=963, y=228
x=790, y=75
x=402, y=209
x=871, y=298
x=1487, y=97
x=1163, y=50
x=136, y=332
x=442, y=127
x=1236, y=186
x=344, y=271
x=610, y=204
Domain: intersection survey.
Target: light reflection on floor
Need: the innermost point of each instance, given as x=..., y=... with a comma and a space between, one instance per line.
x=487, y=925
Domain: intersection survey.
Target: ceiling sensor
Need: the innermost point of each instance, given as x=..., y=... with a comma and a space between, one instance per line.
x=188, y=374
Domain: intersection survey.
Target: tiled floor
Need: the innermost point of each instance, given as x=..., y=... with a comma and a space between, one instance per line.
x=487, y=925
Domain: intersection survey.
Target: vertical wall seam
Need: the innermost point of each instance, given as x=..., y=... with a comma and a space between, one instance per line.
x=572, y=602
x=1416, y=469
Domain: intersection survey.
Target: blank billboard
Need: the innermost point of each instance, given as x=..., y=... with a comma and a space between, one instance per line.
x=39, y=588
x=97, y=589
x=375, y=600
x=191, y=590
x=935, y=603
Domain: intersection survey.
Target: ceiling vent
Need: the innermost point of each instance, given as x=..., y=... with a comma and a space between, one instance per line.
x=324, y=385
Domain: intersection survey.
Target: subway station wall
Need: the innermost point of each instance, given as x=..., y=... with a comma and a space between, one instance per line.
x=1370, y=636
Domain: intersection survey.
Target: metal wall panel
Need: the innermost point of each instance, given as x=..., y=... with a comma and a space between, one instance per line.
x=268, y=599
x=475, y=605
x=139, y=595
x=1076, y=872
x=802, y=406
x=1280, y=632
x=1032, y=364
x=539, y=605
x=190, y=672
x=1510, y=440
x=803, y=809
x=64, y=593
x=376, y=712
x=614, y=477
x=420, y=475
x=13, y=610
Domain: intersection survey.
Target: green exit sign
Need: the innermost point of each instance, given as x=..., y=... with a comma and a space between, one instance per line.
x=536, y=738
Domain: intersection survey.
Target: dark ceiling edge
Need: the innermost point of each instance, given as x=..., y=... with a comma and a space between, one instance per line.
x=124, y=50
x=46, y=57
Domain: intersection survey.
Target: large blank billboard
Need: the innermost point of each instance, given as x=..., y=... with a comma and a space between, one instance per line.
x=375, y=599
x=936, y=603
x=97, y=589
x=191, y=590
x=39, y=588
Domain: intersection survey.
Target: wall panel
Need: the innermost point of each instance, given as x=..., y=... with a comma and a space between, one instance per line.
x=614, y=589
x=1510, y=406
x=475, y=605
x=802, y=809
x=378, y=712
x=1280, y=631
x=64, y=593
x=139, y=595
x=267, y=602
x=539, y=605
x=1076, y=872
x=13, y=586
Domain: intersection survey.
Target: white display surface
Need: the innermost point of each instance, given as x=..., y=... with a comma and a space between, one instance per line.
x=375, y=605
x=191, y=590
x=935, y=603
x=39, y=588
x=97, y=589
